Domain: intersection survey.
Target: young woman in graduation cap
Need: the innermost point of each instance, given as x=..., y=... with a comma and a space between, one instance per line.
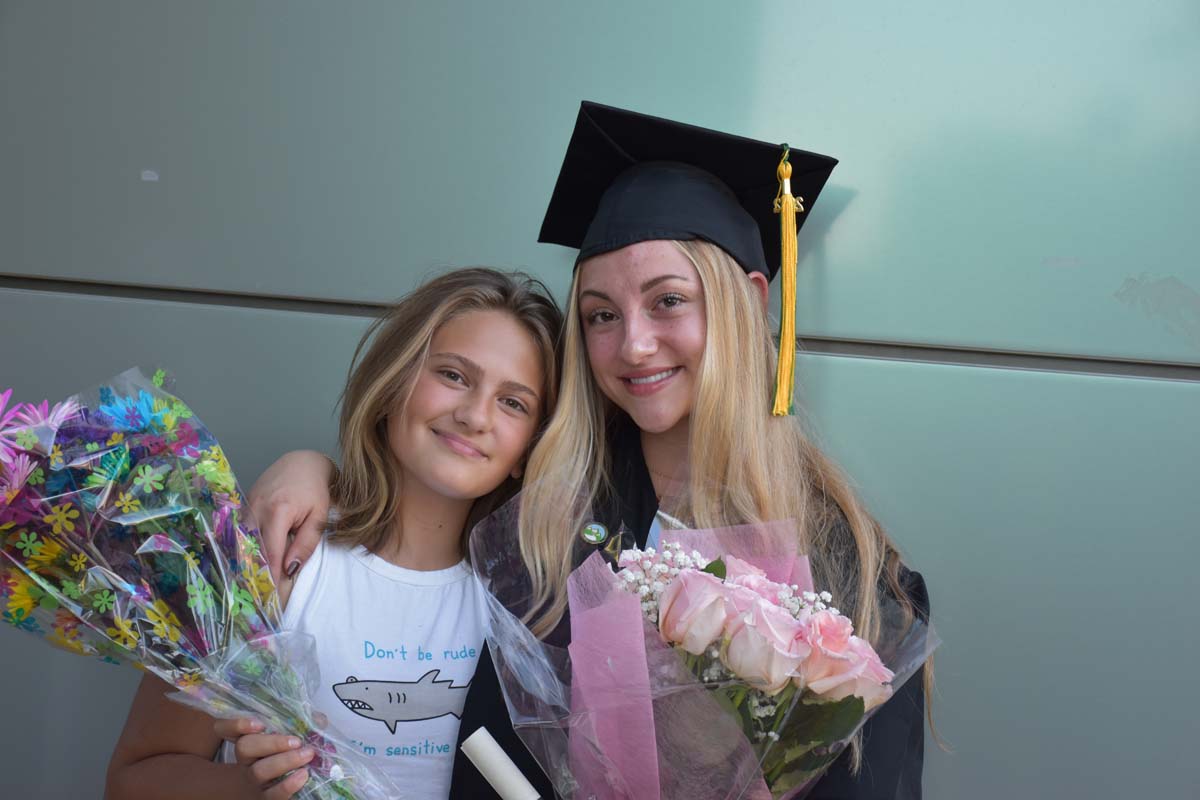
x=674, y=388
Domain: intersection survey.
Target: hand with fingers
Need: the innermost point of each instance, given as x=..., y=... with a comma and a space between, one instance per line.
x=273, y=764
x=292, y=496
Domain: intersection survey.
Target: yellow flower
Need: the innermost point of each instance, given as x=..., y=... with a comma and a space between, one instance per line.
x=218, y=456
x=261, y=583
x=191, y=559
x=214, y=468
x=127, y=503
x=188, y=681
x=166, y=624
x=123, y=633
x=46, y=555
x=56, y=456
x=60, y=517
x=68, y=640
x=235, y=500
x=168, y=418
x=78, y=562
x=116, y=438
x=20, y=597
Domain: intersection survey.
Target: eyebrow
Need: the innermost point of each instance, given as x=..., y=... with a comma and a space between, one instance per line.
x=645, y=287
x=475, y=370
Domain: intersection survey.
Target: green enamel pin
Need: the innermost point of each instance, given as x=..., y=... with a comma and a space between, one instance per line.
x=594, y=533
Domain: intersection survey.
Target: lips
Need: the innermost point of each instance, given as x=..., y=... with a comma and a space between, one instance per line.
x=648, y=381
x=459, y=445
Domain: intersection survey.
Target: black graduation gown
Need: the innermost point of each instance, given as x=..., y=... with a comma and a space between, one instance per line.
x=893, y=739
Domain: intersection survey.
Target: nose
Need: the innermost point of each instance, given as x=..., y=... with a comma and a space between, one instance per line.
x=474, y=412
x=640, y=339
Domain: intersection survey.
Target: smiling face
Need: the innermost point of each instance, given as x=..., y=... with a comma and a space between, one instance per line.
x=643, y=316
x=473, y=409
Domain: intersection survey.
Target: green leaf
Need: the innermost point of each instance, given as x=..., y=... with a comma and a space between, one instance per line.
x=716, y=568
x=816, y=722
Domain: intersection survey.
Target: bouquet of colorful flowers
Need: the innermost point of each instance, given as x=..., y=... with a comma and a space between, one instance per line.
x=707, y=667
x=123, y=536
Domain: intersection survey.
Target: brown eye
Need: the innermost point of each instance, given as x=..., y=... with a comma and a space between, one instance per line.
x=671, y=300
x=515, y=405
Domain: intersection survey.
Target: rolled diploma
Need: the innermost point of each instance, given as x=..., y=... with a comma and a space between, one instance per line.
x=497, y=768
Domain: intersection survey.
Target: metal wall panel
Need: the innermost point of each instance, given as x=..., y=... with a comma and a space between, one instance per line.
x=1055, y=520
x=1013, y=176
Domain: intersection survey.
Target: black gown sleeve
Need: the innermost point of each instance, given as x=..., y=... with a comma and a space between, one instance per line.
x=893, y=739
x=485, y=707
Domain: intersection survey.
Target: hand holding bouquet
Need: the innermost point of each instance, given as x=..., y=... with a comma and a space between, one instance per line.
x=123, y=536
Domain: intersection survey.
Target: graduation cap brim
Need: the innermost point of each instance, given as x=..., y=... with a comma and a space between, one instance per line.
x=630, y=177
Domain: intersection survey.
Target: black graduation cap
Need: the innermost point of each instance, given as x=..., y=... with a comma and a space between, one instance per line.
x=630, y=177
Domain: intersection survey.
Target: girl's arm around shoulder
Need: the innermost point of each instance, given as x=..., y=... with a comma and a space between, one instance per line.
x=166, y=750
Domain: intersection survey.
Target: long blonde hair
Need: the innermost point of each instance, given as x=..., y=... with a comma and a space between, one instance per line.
x=367, y=490
x=766, y=467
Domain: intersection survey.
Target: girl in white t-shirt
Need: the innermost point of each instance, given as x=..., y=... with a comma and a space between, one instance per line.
x=445, y=397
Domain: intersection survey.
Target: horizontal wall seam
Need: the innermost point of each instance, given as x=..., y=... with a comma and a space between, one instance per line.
x=814, y=345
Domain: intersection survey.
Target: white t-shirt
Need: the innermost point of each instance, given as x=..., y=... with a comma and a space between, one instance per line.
x=397, y=648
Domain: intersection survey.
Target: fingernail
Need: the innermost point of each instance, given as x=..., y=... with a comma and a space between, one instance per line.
x=255, y=725
x=307, y=752
x=293, y=742
x=293, y=568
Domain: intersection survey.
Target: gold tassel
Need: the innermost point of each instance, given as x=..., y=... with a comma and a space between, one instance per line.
x=786, y=207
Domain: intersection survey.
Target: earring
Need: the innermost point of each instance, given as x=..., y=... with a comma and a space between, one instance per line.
x=517, y=473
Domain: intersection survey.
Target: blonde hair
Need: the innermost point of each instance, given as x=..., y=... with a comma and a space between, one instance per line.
x=766, y=467
x=367, y=490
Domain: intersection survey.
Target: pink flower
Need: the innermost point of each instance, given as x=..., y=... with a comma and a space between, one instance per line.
x=762, y=587
x=6, y=423
x=691, y=610
x=16, y=472
x=766, y=646
x=842, y=664
x=34, y=416
x=736, y=568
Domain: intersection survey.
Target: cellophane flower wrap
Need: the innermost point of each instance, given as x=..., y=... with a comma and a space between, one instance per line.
x=123, y=536
x=707, y=667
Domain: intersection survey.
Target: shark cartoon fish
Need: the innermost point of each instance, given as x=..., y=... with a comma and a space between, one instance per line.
x=391, y=702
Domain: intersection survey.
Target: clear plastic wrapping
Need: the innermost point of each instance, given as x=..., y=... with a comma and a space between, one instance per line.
x=713, y=672
x=124, y=536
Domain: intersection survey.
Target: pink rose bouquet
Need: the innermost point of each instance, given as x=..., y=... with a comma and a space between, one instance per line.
x=705, y=668
x=761, y=646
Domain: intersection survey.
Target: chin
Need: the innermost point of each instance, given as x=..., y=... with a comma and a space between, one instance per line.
x=653, y=421
x=455, y=487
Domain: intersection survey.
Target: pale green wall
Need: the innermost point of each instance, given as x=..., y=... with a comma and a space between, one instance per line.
x=1016, y=177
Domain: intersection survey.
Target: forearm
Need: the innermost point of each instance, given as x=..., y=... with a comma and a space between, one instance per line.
x=175, y=776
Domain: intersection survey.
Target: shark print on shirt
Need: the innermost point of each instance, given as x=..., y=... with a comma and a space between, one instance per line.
x=392, y=702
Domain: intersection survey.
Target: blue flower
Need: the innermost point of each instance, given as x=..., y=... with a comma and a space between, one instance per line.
x=132, y=415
